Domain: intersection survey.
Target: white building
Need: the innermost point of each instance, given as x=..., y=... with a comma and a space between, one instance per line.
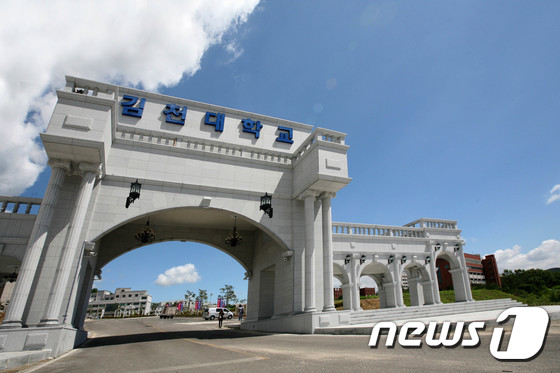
x=124, y=302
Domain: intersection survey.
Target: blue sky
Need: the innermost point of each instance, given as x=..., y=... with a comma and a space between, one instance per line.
x=452, y=111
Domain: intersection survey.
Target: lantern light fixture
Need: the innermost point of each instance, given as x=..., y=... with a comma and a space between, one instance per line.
x=347, y=259
x=266, y=204
x=234, y=239
x=391, y=259
x=457, y=247
x=428, y=260
x=146, y=235
x=438, y=246
x=403, y=259
x=134, y=193
x=12, y=276
x=362, y=259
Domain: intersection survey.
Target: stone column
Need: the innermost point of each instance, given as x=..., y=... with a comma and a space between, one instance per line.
x=463, y=263
x=397, y=270
x=309, y=205
x=328, y=295
x=459, y=285
x=71, y=245
x=347, y=296
x=433, y=274
x=390, y=294
x=428, y=291
x=355, y=280
x=35, y=245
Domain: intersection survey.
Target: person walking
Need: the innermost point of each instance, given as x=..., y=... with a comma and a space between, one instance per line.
x=241, y=312
x=220, y=318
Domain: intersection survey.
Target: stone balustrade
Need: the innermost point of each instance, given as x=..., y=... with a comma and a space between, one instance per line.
x=377, y=230
x=19, y=205
x=320, y=134
x=433, y=223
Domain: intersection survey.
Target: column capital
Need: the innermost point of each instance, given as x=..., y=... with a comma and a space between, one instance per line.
x=324, y=195
x=309, y=193
x=85, y=167
x=64, y=164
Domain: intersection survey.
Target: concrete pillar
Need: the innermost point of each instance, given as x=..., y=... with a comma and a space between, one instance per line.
x=428, y=289
x=463, y=263
x=459, y=284
x=37, y=239
x=355, y=281
x=413, y=291
x=390, y=295
x=397, y=272
x=328, y=295
x=71, y=246
x=347, y=296
x=309, y=206
x=382, y=295
x=433, y=274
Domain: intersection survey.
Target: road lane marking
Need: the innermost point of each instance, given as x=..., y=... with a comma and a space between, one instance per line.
x=201, y=365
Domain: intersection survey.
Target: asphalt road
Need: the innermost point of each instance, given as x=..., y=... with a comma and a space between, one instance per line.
x=145, y=345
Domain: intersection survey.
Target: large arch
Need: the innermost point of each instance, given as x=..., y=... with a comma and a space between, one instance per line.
x=209, y=226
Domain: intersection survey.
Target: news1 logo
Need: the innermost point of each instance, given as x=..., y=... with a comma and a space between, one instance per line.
x=526, y=340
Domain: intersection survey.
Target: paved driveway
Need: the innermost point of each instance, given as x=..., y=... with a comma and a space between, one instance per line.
x=154, y=345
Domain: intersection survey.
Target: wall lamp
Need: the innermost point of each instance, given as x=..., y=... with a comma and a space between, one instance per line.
x=438, y=246
x=428, y=260
x=134, y=193
x=347, y=259
x=457, y=247
x=362, y=259
x=391, y=259
x=266, y=204
x=403, y=259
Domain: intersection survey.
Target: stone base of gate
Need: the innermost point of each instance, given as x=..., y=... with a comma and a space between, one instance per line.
x=304, y=323
x=57, y=339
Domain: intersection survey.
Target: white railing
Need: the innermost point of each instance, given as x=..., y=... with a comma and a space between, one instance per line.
x=19, y=205
x=320, y=134
x=433, y=223
x=377, y=230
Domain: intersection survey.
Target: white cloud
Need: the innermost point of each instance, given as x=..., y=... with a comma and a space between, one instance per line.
x=546, y=256
x=178, y=275
x=152, y=44
x=554, y=194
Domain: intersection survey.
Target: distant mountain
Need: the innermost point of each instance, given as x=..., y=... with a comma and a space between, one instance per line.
x=555, y=269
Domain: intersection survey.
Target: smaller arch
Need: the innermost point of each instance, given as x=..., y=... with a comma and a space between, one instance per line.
x=420, y=286
x=459, y=281
x=386, y=283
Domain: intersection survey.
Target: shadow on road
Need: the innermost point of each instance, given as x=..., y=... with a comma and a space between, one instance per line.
x=161, y=336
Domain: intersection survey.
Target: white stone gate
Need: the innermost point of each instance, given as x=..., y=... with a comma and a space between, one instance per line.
x=203, y=168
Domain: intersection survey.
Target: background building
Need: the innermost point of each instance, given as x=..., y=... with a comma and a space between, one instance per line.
x=124, y=302
x=490, y=268
x=474, y=268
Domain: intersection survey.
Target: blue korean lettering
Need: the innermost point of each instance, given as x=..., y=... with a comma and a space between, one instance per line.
x=252, y=126
x=216, y=120
x=286, y=135
x=128, y=106
x=174, y=114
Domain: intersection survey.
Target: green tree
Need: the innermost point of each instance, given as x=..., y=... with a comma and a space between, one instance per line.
x=202, y=296
x=228, y=294
x=189, y=296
